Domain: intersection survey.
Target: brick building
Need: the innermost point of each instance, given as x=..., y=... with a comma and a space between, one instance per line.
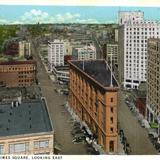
x=23, y=132
x=17, y=73
x=93, y=96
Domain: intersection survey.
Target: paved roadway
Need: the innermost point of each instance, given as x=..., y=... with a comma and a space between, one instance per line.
x=60, y=117
x=136, y=135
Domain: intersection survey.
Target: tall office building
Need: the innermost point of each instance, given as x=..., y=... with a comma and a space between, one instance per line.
x=93, y=95
x=153, y=81
x=55, y=53
x=133, y=36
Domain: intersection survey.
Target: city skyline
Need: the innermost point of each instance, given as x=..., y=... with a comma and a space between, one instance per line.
x=30, y=14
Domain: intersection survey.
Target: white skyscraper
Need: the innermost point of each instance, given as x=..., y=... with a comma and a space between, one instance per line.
x=55, y=53
x=133, y=37
x=125, y=16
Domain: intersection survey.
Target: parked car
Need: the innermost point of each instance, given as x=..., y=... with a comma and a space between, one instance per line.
x=157, y=146
x=77, y=132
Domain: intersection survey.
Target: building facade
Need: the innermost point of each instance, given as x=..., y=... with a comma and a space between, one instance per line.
x=55, y=53
x=153, y=81
x=133, y=51
x=85, y=53
x=125, y=16
x=94, y=98
x=24, y=132
x=24, y=49
x=17, y=73
x=112, y=53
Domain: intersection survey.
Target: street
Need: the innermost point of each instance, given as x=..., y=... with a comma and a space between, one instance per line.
x=136, y=135
x=60, y=117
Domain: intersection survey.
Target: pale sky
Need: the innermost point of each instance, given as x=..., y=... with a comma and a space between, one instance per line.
x=85, y=2
x=73, y=11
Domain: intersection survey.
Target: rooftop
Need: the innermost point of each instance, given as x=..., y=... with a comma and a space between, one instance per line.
x=27, y=118
x=17, y=62
x=98, y=70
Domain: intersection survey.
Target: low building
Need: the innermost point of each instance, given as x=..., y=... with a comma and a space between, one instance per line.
x=61, y=73
x=138, y=98
x=17, y=73
x=11, y=47
x=93, y=95
x=22, y=131
x=85, y=53
x=67, y=58
x=141, y=105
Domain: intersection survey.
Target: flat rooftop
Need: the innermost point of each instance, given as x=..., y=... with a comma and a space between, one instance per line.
x=98, y=70
x=17, y=62
x=27, y=118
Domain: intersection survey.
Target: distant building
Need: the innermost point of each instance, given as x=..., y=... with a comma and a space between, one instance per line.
x=55, y=53
x=11, y=47
x=112, y=53
x=24, y=49
x=153, y=81
x=17, y=73
x=93, y=95
x=23, y=132
x=85, y=53
x=133, y=36
x=67, y=48
x=116, y=35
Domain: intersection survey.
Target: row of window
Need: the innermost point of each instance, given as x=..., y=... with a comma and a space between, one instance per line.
x=142, y=29
x=24, y=147
x=137, y=33
x=26, y=80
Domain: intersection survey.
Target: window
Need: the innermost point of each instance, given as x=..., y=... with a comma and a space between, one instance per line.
x=111, y=119
x=111, y=146
x=18, y=148
x=111, y=99
x=111, y=129
x=41, y=144
x=1, y=149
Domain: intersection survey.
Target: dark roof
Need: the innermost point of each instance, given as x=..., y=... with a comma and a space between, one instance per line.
x=17, y=62
x=27, y=118
x=98, y=70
